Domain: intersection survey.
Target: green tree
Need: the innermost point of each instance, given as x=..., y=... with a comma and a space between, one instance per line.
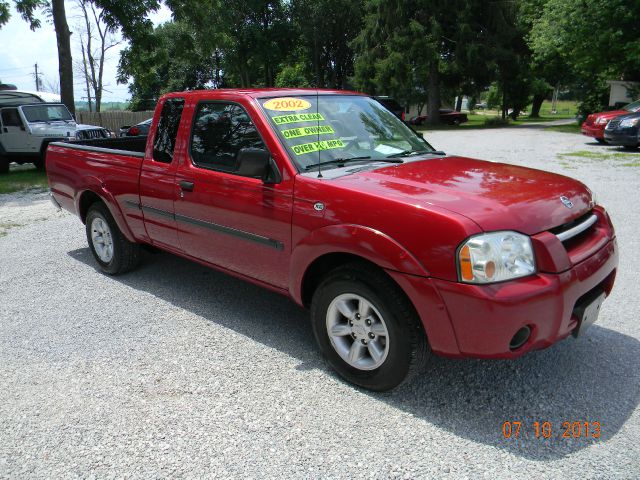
x=423, y=48
x=325, y=30
x=55, y=8
x=596, y=40
x=252, y=36
x=170, y=59
x=129, y=15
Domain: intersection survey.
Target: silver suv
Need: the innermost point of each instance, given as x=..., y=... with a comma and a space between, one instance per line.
x=26, y=130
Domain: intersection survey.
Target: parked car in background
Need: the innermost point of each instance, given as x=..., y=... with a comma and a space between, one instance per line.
x=595, y=123
x=139, y=129
x=26, y=130
x=624, y=130
x=392, y=105
x=448, y=116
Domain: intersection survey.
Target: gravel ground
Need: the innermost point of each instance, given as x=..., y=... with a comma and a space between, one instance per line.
x=175, y=370
x=23, y=208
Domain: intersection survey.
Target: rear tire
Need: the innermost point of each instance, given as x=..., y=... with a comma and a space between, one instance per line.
x=4, y=165
x=113, y=252
x=366, y=328
x=600, y=140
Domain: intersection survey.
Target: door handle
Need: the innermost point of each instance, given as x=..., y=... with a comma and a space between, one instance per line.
x=186, y=186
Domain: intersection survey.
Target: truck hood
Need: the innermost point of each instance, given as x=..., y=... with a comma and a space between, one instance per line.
x=53, y=129
x=496, y=196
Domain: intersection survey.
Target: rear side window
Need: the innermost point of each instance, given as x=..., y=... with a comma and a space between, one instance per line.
x=165, y=139
x=220, y=130
x=10, y=118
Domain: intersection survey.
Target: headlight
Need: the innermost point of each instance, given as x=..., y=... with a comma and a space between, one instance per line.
x=629, y=122
x=495, y=257
x=601, y=120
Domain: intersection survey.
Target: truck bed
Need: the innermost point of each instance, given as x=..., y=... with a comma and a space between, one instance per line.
x=129, y=144
x=110, y=166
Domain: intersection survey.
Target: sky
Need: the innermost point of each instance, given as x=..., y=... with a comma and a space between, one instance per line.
x=23, y=48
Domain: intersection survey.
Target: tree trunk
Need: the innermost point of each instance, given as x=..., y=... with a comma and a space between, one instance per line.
x=459, y=103
x=433, y=98
x=86, y=75
x=65, y=63
x=504, y=103
x=536, y=104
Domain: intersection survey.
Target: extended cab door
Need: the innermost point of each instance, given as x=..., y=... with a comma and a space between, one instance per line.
x=13, y=135
x=236, y=222
x=157, y=177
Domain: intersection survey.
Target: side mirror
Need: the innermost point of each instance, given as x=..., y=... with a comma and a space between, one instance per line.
x=257, y=163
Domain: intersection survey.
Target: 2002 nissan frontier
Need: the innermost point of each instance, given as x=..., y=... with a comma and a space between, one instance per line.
x=398, y=249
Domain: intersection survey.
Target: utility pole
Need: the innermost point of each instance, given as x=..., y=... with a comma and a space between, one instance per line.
x=37, y=76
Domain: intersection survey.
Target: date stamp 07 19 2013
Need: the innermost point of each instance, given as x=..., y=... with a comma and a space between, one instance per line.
x=545, y=430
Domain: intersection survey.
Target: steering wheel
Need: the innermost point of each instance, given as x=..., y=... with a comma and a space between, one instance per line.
x=353, y=143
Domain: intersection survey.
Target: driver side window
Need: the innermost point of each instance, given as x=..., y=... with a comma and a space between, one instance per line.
x=10, y=118
x=220, y=130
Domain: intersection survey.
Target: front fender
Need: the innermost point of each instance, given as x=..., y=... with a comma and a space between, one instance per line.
x=95, y=185
x=359, y=240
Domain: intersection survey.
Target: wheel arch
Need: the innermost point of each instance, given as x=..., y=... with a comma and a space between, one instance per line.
x=335, y=245
x=89, y=196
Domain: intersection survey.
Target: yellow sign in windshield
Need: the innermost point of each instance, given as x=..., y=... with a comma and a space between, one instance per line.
x=287, y=104
x=317, y=146
x=306, y=131
x=295, y=118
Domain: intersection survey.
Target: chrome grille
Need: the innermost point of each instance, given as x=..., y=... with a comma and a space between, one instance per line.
x=613, y=124
x=91, y=134
x=575, y=228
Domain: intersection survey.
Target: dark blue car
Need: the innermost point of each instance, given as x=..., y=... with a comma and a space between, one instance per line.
x=624, y=131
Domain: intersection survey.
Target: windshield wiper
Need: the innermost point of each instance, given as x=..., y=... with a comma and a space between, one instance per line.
x=406, y=153
x=343, y=161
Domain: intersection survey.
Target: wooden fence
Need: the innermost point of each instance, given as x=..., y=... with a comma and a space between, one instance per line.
x=112, y=119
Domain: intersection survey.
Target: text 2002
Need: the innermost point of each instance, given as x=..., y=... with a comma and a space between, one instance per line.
x=576, y=429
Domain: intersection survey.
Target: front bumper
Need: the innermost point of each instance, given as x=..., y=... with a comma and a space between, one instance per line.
x=627, y=139
x=464, y=320
x=595, y=131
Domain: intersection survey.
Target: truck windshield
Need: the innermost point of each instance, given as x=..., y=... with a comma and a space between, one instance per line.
x=46, y=113
x=329, y=128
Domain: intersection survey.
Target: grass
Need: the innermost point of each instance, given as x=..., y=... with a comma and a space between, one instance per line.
x=491, y=119
x=569, y=128
x=22, y=178
x=585, y=156
x=565, y=109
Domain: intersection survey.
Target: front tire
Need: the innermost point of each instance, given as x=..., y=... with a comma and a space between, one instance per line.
x=601, y=140
x=113, y=252
x=366, y=328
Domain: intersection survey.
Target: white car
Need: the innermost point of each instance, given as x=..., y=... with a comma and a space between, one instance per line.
x=27, y=129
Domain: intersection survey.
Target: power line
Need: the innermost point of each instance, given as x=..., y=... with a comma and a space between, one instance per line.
x=17, y=76
x=13, y=68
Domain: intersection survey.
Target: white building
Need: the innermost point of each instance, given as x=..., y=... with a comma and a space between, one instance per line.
x=620, y=92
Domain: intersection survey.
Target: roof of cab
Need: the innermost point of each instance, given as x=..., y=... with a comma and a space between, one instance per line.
x=256, y=92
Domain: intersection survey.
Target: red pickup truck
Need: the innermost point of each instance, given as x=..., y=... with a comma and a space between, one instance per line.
x=398, y=249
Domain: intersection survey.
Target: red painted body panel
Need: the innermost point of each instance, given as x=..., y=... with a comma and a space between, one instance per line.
x=486, y=317
x=596, y=130
x=407, y=218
